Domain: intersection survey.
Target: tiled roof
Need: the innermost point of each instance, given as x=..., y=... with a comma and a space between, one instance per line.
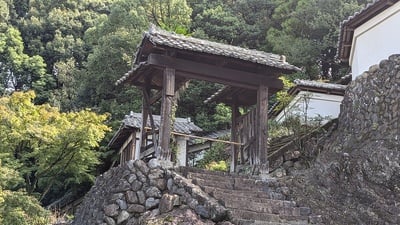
x=320, y=85
x=181, y=125
x=158, y=36
x=347, y=26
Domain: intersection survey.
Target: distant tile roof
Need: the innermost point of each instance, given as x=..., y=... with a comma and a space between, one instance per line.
x=347, y=26
x=158, y=36
x=134, y=121
x=316, y=85
x=218, y=134
x=181, y=125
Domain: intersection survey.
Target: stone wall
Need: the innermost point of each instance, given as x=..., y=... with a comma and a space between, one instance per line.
x=136, y=193
x=356, y=177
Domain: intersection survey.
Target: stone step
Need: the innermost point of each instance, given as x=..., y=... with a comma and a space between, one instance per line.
x=250, y=201
x=239, y=182
x=222, y=183
x=241, y=214
x=273, y=206
x=220, y=193
x=258, y=222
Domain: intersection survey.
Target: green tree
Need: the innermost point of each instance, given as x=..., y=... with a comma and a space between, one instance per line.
x=49, y=148
x=218, y=23
x=191, y=105
x=54, y=30
x=18, y=70
x=16, y=206
x=242, y=22
x=19, y=208
x=172, y=15
x=311, y=27
x=114, y=40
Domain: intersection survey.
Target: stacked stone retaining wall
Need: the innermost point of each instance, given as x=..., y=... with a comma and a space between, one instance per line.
x=135, y=192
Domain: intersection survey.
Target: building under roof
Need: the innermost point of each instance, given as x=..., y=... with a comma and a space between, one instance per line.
x=370, y=35
x=323, y=101
x=126, y=139
x=165, y=61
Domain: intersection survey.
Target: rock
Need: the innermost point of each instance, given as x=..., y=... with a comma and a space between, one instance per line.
x=109, y=220
x=225, y=223
x=288, y=164
x=131, y=178
x=179, y=216
x=123, y=185
x=142, y=166
x=155, y=212
x=122, y=204
x=141, y=177
x=133, y=221
x=131, y=166
x=170, y=183
x=136, y=185
x=167, y=202
x=279, y=173
x=152, y=203
x=116, y=196
x=160, y=183
x=111, y=210
x=290, y=155
x=192, y=203
x=202, y=211
x=156, y=173
x=141, y=196
x=153, y=192
x=136, y=208
x=123, y=216
x=154, y=163
x=131, y=197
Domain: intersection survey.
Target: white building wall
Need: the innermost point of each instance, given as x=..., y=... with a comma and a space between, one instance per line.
x=376, y=40
x=313, y=106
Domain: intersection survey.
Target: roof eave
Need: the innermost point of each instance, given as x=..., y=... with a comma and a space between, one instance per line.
x=348, y=26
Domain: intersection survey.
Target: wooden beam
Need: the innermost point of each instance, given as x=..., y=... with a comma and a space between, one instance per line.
x=213, y=73
x=155, y=97
x=262, y=126
x=164, y=153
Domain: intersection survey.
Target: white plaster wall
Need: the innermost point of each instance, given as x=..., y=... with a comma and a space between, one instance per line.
x=319, y=105
x=376, y=40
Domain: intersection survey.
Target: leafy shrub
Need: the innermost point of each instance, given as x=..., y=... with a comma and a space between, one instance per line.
x=216, y=153
x=18, y=208
x=217, y=166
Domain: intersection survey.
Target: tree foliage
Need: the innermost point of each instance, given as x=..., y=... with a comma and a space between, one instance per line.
x=49, y=148
x=19, y=208
x=18, y=70
x=312, y=28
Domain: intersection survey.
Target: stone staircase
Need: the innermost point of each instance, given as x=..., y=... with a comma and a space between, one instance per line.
x=251, y=201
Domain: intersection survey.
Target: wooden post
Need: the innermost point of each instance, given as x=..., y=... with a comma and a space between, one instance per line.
x=164, y=153
x=146, y=95
x=234, y=136
x=143, y=135
x=262, y=126
x=132, y=146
